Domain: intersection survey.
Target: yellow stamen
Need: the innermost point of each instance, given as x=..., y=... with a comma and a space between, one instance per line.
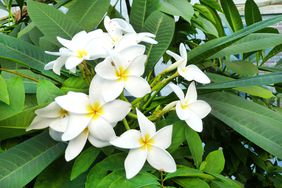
x=122, y=74
x=184, y=105
x=81, y=53
x=146, y=142
x=95, y=110
x=63, y=113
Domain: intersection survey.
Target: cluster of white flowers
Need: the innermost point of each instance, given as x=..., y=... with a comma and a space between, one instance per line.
x=76, y=117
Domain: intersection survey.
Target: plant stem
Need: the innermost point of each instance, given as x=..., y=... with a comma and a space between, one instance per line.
x=19, y=74
x=125, y=123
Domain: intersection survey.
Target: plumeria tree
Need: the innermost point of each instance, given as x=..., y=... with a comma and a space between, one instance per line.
x=161, y=95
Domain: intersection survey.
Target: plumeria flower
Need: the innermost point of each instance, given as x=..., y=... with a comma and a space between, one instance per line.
x=92, y=113
x=190, y=72
x=120, y=71
x=83, y=46
x=123, y=34
x=146, y=144
x=189, y=109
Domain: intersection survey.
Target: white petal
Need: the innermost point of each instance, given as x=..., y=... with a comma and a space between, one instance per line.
x=191, y=95
x=124, y=25
x=184, y=112
x=52, y=110
x=111, y=89
x=75, y=146
x=77, y=124
x=131, y=52
x=134, y=162
x=74, y=102
x=195, y=123
x=101, y=129
x=201, y=108
x=116, y=110
x=98, y=143
x=162, y=138
x=170, y=106
x=67, y=43
x=146, y=126
x=60, y=124
x=177, y=90
x=128, y=140
x=137, y=86
x=192, y=72
x=95, y=91
x=40, y=123
x=146, y=37
x=106, y=70
x=53, y=53
x=58, y=64
x=174, y=55
x=161, y=160
x=183, y=52
x=49, y=65
x=137, y=67
x=72, y=62
x=55, y=135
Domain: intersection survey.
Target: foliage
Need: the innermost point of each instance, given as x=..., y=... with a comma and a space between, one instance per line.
x=241, y=143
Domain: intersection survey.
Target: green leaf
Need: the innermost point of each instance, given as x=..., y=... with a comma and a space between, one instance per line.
x=84, y=161
x=163, y=27
x=77, y=84
x=87, y=13
x=250, y=43
x=209, y=48
x=184, y=171
x=47, y=92
x=242, y=68
x=191, y=183
x=252, y=13
x=29, y=159
x=232, y=15
x=212, y=4
x=195, y=145
x=101, y=169
x=224, y=182
x=205, y=25
x=16, y=124
x=4, y=95
x=214, y=162
x=25, y=54
x=265, y=79
x=177, y=8
x=257, y=123
x=17, y=97
x=51, y=22
x=138, y=14
x=273, y=52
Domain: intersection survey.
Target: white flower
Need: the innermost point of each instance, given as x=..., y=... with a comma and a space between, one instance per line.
x=123, y=34
x=83, y=46
x=146, y=144
x=93, y=113
x=122, y=70
x=190, y=72
x=189, y=109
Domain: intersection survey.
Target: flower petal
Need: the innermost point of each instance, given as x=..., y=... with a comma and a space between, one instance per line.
x=177, y=90
x=162, y=138
x=55, y=135
x=40, y=123
x=201, y=108
x=146, y=126
x=58, y=64
x=174, y=55
x=101, y=129
x=76, y=145
x=184, y=112
x=128, y=140
x=134, y=162
x=74, y=102
x=131, y=52
x=192, y=72
x=77, y=124
x=137, y=86
x=137, y=67
x=161, y=160
x=52, y=110
x=195, y=123
x=183, y=52
x=106, y=70
x=72, y=62
x=60, y=124
x=116, y=110
x=191, y=95
x=66, y=43
x=97, y=143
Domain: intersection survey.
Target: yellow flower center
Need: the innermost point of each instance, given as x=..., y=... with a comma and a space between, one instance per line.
x=81, y=53
x=146, y=142
x=63, y=113
x=184, y=105
x=95, y=110
x=122, y=74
